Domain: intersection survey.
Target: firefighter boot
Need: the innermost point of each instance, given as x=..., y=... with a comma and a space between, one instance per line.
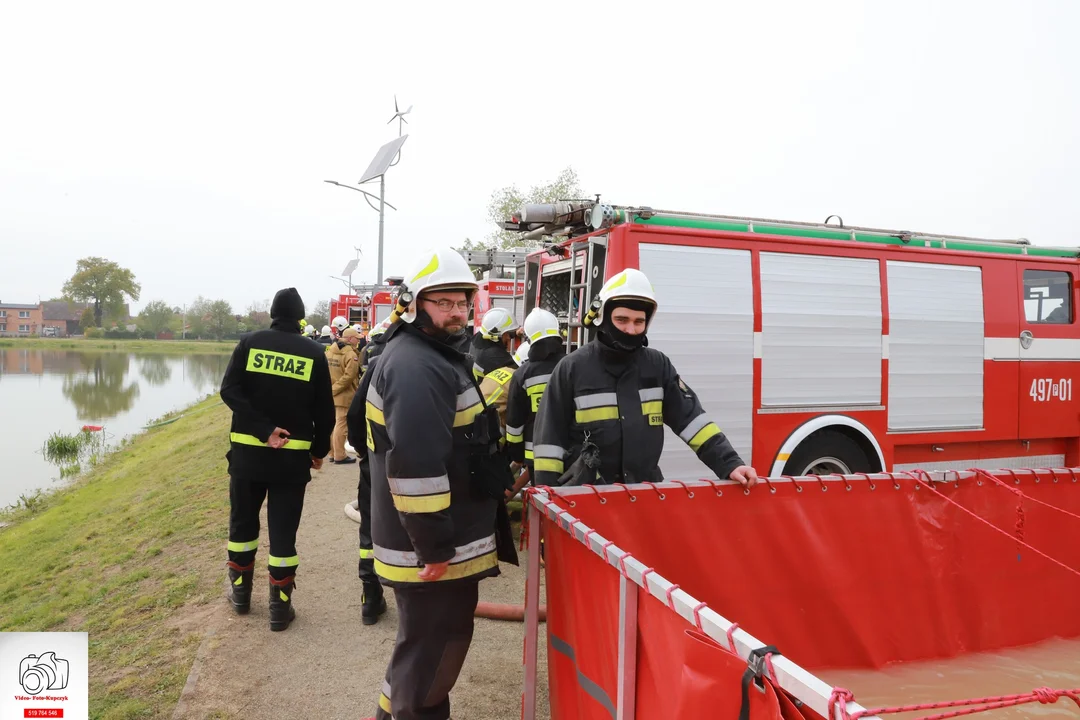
x=281, y=609
x=240, y=586
x=372, y=603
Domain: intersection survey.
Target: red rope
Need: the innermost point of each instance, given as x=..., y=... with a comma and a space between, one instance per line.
x=1001, y=483
x=689, y=492
x=995, y=528
x=840, y=697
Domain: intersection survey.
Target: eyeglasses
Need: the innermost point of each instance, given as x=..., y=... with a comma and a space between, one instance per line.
x=448, y=305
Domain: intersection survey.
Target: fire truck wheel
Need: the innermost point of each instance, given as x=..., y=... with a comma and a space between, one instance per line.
x=827, y=452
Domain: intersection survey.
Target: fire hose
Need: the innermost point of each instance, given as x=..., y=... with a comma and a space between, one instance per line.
x=487, y=610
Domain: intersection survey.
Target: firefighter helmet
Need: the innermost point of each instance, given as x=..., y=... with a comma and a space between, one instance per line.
x=441, y=269
x=379, y=329
x=630, y=284
x=496, y=322
x=340, y=323
x=540, y=324
x=325, y=331
x=522, y=353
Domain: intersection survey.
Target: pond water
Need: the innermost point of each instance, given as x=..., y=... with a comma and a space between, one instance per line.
x=58, y=391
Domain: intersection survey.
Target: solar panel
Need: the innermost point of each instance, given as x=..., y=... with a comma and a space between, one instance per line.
x=383, y=158
x=350, y=267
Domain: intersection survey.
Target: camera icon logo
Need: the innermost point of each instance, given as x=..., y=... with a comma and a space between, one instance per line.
x=38, y=673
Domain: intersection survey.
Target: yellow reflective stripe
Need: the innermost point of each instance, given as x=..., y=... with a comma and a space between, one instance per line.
x=375, y=414
x=384, y=704
x=465, y=417
x=421, y=503
x=244, y=546
x=543, y=333
x=548, y=465
x=290, y=444
x=515, y=438
x=494, y=396
x=702, y=435
x=528, y=454
x=453, y=572
x=611, y=412
x=366, y=554
x=280, y=364
x=239, y=580
x=273, y=561
x=653, y=407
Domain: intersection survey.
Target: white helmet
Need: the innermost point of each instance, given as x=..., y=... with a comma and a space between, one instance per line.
x=358, y=328
x=379, y=329
x=340, y=323
x=325, y=331
x=630, y=284
x=540, y=324
x=442, y=269
x=496, y=322
x=311, y=330
x=522, y=353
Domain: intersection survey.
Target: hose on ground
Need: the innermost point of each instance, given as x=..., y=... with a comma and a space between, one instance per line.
x=502, y=611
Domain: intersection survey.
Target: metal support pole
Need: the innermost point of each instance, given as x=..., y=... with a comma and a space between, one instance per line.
x=628, y=600
x=532, y=613
x=382, y=213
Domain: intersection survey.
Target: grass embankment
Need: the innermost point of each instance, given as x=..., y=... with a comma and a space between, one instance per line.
x=141, y=346
x=129, y=554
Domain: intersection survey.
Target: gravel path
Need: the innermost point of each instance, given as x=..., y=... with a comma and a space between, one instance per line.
x=327, y=664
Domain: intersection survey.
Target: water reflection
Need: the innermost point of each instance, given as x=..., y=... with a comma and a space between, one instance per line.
x=44, y=391
x=155, y=369
x=100, y=391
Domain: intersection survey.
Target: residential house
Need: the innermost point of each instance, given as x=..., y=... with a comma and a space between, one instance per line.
x=63, y=316
x=19, y=319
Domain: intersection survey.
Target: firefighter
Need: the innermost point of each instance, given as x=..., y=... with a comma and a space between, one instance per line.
x=604, y=409
x=324, y=336
x=494, y=386
x=345, y=375
x=312, y=332
x=374, y=346
x=439, y=523
x=278, y=386
x=491, y=347
x=338, y=325
x=527, y=387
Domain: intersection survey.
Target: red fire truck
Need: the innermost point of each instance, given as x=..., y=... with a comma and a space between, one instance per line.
x=493, y=294
x=370, y=305
x=824, y=348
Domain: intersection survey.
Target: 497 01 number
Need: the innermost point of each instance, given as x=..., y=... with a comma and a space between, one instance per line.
x=1047, y=389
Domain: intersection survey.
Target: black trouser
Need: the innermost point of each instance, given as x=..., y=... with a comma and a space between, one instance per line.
x=363, y=504
x=435, y=628
x=285, y=504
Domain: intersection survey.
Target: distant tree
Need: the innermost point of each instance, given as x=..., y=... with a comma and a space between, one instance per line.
x=507, y=201
x=197, y=313
x=219, y=320
x=156, y=317
x=258, y=316
x=320, y=314
x=102, y=283
x=86, y=320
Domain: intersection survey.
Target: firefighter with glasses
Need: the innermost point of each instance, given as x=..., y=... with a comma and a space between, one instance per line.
x=604, y=409
x=439, y=522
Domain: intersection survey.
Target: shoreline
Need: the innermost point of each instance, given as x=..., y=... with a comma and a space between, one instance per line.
x=110, y=345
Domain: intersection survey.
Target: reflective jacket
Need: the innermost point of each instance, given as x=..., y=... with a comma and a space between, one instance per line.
x=621, y=402
x=420, y=406
x=344, y=372
x=489, y=355
x=494, y=388
x=277, y=378
x=523, y=401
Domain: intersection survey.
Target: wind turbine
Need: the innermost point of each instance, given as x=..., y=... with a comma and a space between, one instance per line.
x=399, y=115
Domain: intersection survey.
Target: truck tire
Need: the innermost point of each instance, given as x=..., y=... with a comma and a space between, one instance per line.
x=827, y=452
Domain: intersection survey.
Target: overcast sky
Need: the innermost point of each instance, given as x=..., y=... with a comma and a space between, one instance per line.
x=189, y=144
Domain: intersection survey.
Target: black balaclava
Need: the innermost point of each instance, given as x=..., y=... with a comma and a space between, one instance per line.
x=546, y=348
x=615, y=338
x=287, y=310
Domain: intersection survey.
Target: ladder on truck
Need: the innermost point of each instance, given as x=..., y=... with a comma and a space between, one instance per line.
x=581, y=293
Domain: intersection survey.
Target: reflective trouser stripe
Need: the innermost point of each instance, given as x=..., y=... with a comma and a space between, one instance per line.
x=366, y=553
x=704, y=434
x=548, y=465
x=244, y=546
x=274, y=561
x=528, y=454
x=290, y=444
x=421, y=503
x=591, y=688
x=514, y=437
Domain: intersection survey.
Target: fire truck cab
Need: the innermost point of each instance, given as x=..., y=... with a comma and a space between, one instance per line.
x=370, y=305
x=824, y=348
